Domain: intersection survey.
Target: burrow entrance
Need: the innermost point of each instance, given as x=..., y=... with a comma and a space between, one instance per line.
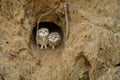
x=52, y=28
x=47, y=58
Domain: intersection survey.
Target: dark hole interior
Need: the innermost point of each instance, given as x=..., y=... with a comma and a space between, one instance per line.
x=1, y=77
x=118, y=64
x=50, y=25
x=7, y=42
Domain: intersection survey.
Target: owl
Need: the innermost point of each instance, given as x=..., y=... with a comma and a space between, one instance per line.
x=43, y=37
x=54, y=39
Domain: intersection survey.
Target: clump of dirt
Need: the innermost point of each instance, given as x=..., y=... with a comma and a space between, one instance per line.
x=90, y=53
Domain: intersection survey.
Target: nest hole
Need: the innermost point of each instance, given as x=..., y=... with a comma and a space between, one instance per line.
x=118, y=64
x=52, y=27
x=1, y=77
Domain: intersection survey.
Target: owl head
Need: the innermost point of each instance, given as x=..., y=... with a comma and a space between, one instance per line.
x=43, y=32
x=54, y=36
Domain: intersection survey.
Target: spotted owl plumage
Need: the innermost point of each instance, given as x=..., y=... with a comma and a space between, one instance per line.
x=43, y=37
x=54, y=39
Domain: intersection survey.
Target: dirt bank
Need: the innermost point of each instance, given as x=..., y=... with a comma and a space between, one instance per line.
x=92, y=51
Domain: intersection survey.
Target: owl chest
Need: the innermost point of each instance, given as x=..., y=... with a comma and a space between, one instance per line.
x=54, y=43
x=43, y=40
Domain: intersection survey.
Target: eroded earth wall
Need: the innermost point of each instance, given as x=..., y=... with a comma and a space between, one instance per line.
x=92, y=51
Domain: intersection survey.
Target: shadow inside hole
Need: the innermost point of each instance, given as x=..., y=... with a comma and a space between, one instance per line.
x=52, y=27
x=1, y=77
x=7, y=42
x=118, y=64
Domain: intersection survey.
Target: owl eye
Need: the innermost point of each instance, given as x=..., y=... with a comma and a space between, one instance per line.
x=40, y=31
x=54, y=37
x=46, y=31
x=51, y=37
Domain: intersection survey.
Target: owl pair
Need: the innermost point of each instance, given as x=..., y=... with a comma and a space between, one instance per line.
x=45, y=38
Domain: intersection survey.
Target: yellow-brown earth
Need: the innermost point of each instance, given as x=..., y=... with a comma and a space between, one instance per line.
x=91, y=52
